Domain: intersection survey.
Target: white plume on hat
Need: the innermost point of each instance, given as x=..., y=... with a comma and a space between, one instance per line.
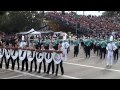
x=23, y=38
x=111, y=38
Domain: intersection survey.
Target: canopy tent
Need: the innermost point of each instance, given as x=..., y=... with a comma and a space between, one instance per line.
x=32, y=30
x=24, y=33
x=35, y=32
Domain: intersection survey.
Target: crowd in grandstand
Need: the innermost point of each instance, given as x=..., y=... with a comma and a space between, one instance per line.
x=92, y=23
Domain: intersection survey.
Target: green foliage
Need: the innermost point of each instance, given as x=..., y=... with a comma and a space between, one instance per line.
x=2, y=12
x=17, y=21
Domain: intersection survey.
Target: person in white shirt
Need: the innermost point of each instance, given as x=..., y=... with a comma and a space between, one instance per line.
x=110, y=48
x=22, y=44
x=65, y=46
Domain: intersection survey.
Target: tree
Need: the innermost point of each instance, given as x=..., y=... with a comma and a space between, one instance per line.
x=17, y=21
x=2, y=12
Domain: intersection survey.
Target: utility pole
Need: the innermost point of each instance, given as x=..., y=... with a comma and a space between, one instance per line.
x=76, y=28
x=83, y=12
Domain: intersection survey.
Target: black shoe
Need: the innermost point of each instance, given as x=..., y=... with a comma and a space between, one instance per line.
x=30, y=71
x=17, y=68
x=107, y=66
x=26, y=69
x=38, y=72
x=55, y=74
x=62, y=73
x=21, y=70
x=44, y=71
x=0, y=66
x=47, y=72
x=52, y=72
x=35, y=70
x=12, y=68
x=6, y=67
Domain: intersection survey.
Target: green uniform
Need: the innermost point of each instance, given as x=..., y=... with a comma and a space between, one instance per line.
x=68, y=40
x=107, y=40
x=54, y=43
x=47, y=42
x=97, y=43
x=36, y=41
x=103, y=44
x=117, y=43
x=58, y=40
x=76, y=42
x=88, y=42
x=92, y=40
x=81, y=40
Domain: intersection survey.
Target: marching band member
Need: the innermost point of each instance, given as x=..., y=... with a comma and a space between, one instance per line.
x=98, y=46
x=54, y=43
x=103, y=48
x=87, y=47
x=4, y=57
x=60, y=48
x=117, y=43
x=44, y=63
x=68, y=40
x=34, y=60
x=52, y=62
x=23, y=45
x=12, y=62
x=110, y=48
x=47, y=42
x=76, y=47
x=65, y=46
x=16, y=46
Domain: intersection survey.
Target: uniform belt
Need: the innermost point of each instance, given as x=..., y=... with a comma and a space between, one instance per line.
x=110, y=50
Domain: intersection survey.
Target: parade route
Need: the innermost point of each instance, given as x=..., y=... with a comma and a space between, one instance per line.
x=75, y=68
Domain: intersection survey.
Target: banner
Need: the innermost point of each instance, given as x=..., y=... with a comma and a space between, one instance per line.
x=48, y=57
x=14, y=54
x=57, y=58
x=1, y=52
x=7, y=53
x=40, y=56
x=31, y=54
x=22, y=54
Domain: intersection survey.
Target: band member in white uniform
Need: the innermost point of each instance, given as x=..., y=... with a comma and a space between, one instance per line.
x=44, y=63
x=52, y=62
x=65, y=46
x=60, y=48
x=110, y=48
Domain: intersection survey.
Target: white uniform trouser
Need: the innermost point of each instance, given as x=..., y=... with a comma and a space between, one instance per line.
x=65, y=54
x=110, y=58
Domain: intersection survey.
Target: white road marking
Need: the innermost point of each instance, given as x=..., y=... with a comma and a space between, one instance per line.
x=42, y=76
x=92, y=67
x=28, y=73
x=13, y=77
x=76, y=59
x=4, y=72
